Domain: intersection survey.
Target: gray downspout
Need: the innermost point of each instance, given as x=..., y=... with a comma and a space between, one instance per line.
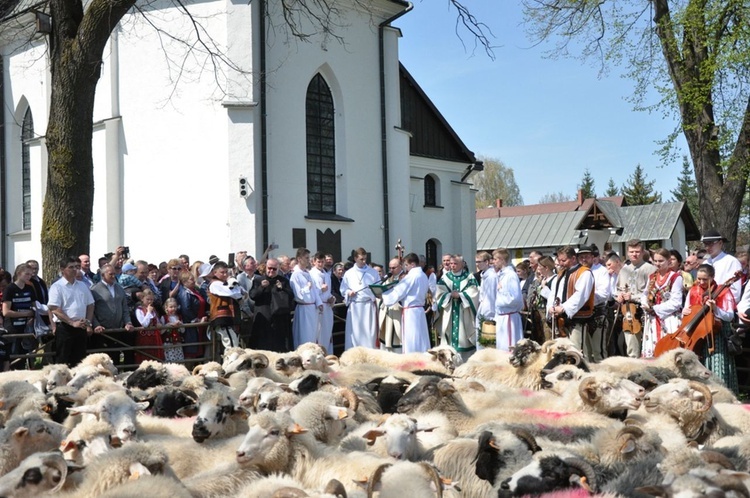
x=263, y=135
x=3, y=192
x=384, y=131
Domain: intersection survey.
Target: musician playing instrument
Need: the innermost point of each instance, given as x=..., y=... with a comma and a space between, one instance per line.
x=588, y=256
x=719, y=361
x=661, y=303
x=631, y=284
x=574, y=288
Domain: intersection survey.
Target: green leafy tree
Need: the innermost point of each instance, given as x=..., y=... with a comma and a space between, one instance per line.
x=549, y=198
x=612, y=190
x=686, y=190
x=696, y=55
x=497, y=181
x=587, y=185
x=637, y=191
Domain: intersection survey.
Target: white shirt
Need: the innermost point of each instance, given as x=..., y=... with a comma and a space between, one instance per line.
x=726, y=266
x=487, y=293
x=601, y=284
x=72, y=299
x=411, y=290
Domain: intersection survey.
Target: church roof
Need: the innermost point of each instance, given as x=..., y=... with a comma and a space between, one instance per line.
x=431, y=135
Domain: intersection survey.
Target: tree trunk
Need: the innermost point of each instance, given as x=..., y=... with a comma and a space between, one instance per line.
x=76, y=46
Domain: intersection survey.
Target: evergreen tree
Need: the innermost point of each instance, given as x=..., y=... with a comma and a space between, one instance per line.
x=612, y=190
x=639, y=192
x=587, y=185
x=687, y=190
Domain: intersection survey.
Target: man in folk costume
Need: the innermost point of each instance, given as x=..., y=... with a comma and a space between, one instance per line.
x=411, y=291
x=573, y=295
x=307, y=296
x=588, y=256
x=487, y=289
x=661, y=303
x=632, y=282
x=724, y=264
x=719, y=361
x=457, y=299
x=361, y=318
x=389, y=316
x=508, y=302
x=322, y=280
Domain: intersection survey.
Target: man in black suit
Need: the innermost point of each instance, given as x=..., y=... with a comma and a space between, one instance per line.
x=111, y=312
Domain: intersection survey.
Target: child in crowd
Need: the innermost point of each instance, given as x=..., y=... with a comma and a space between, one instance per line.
x=172, y=335
x=148, y=316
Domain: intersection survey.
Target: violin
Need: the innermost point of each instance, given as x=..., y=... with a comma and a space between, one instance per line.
x=630, y=322
x=558, y=322
x=699, y=324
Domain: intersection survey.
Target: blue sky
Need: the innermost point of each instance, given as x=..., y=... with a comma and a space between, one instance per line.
x=546, y=119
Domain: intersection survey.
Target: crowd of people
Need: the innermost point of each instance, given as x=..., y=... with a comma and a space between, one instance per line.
x=606, y=303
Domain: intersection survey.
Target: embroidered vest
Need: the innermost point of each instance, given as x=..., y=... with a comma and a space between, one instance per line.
x=587, y=310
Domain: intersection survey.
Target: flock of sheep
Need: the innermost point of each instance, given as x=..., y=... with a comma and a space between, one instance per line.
x=538, y=421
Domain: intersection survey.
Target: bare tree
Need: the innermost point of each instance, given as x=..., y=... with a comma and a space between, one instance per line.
x=497, y=181
x=79, y=34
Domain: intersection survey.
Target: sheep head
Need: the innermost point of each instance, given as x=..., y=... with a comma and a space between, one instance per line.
x=118, y=410
x=425, y=394
x=38, y=474
x=525, y=352
x=679, y=398
x=267, y=443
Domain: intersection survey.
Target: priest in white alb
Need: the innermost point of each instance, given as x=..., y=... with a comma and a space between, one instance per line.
x=361, y=317
x=508, y=302
x=411, y=291
x=309, y=305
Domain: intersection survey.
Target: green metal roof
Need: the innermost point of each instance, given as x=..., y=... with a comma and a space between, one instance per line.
x=537, y=230
x=655, y=222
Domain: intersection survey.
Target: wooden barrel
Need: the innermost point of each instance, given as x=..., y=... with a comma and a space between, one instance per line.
x=487, y=333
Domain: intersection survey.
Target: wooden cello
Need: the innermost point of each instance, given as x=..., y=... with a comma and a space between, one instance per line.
x=699, y=324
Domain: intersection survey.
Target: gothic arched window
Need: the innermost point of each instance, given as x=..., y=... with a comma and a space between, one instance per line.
x=321, y=148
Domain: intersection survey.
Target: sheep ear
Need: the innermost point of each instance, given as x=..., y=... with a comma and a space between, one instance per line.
x=446, y=388
x=678, y=358
x=77, y=410
x=242, y=411
x=362, y=482
x=67, y=446
x=137, y=470
x=587, y=390
x=142, y=405
x=372, y=435
x=433, y=352
x=426, y=429
x=628, y=446
x=188, y=411
x=222, y=380
x=296, y=429
x=337, y=412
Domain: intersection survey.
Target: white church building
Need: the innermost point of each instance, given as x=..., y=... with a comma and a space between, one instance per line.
x=324, y=143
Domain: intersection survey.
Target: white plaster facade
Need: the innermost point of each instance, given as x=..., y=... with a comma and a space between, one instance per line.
x=170, y=146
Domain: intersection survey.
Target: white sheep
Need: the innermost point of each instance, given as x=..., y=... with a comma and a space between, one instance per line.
x=274, y=443
x=115, y=408
x=18, y=397
x=188, y=459
x=401, y=437
x=323, y=414
x=98, y=360
x=83, y=374
x=153, y=486
x=118, y=466
x=46, y=379
x=441, y=359
x=415, y=480
x=217, y=415
x=26, y=435
x=524, y=366
x=37, y=474
x=689, y=404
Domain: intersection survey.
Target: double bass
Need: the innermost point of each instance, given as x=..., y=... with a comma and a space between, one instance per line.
x=699, y=324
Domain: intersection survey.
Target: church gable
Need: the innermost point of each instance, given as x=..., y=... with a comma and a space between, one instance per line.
x=431, y=135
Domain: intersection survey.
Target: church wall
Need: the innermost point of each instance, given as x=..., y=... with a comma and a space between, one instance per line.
x=173, y=141
x=26, y=86
x=452, y=221
x=351, y=71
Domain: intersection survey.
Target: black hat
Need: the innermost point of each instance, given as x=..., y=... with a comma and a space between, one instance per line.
x=213, y=260
x=584, y=250
x=712, y=235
